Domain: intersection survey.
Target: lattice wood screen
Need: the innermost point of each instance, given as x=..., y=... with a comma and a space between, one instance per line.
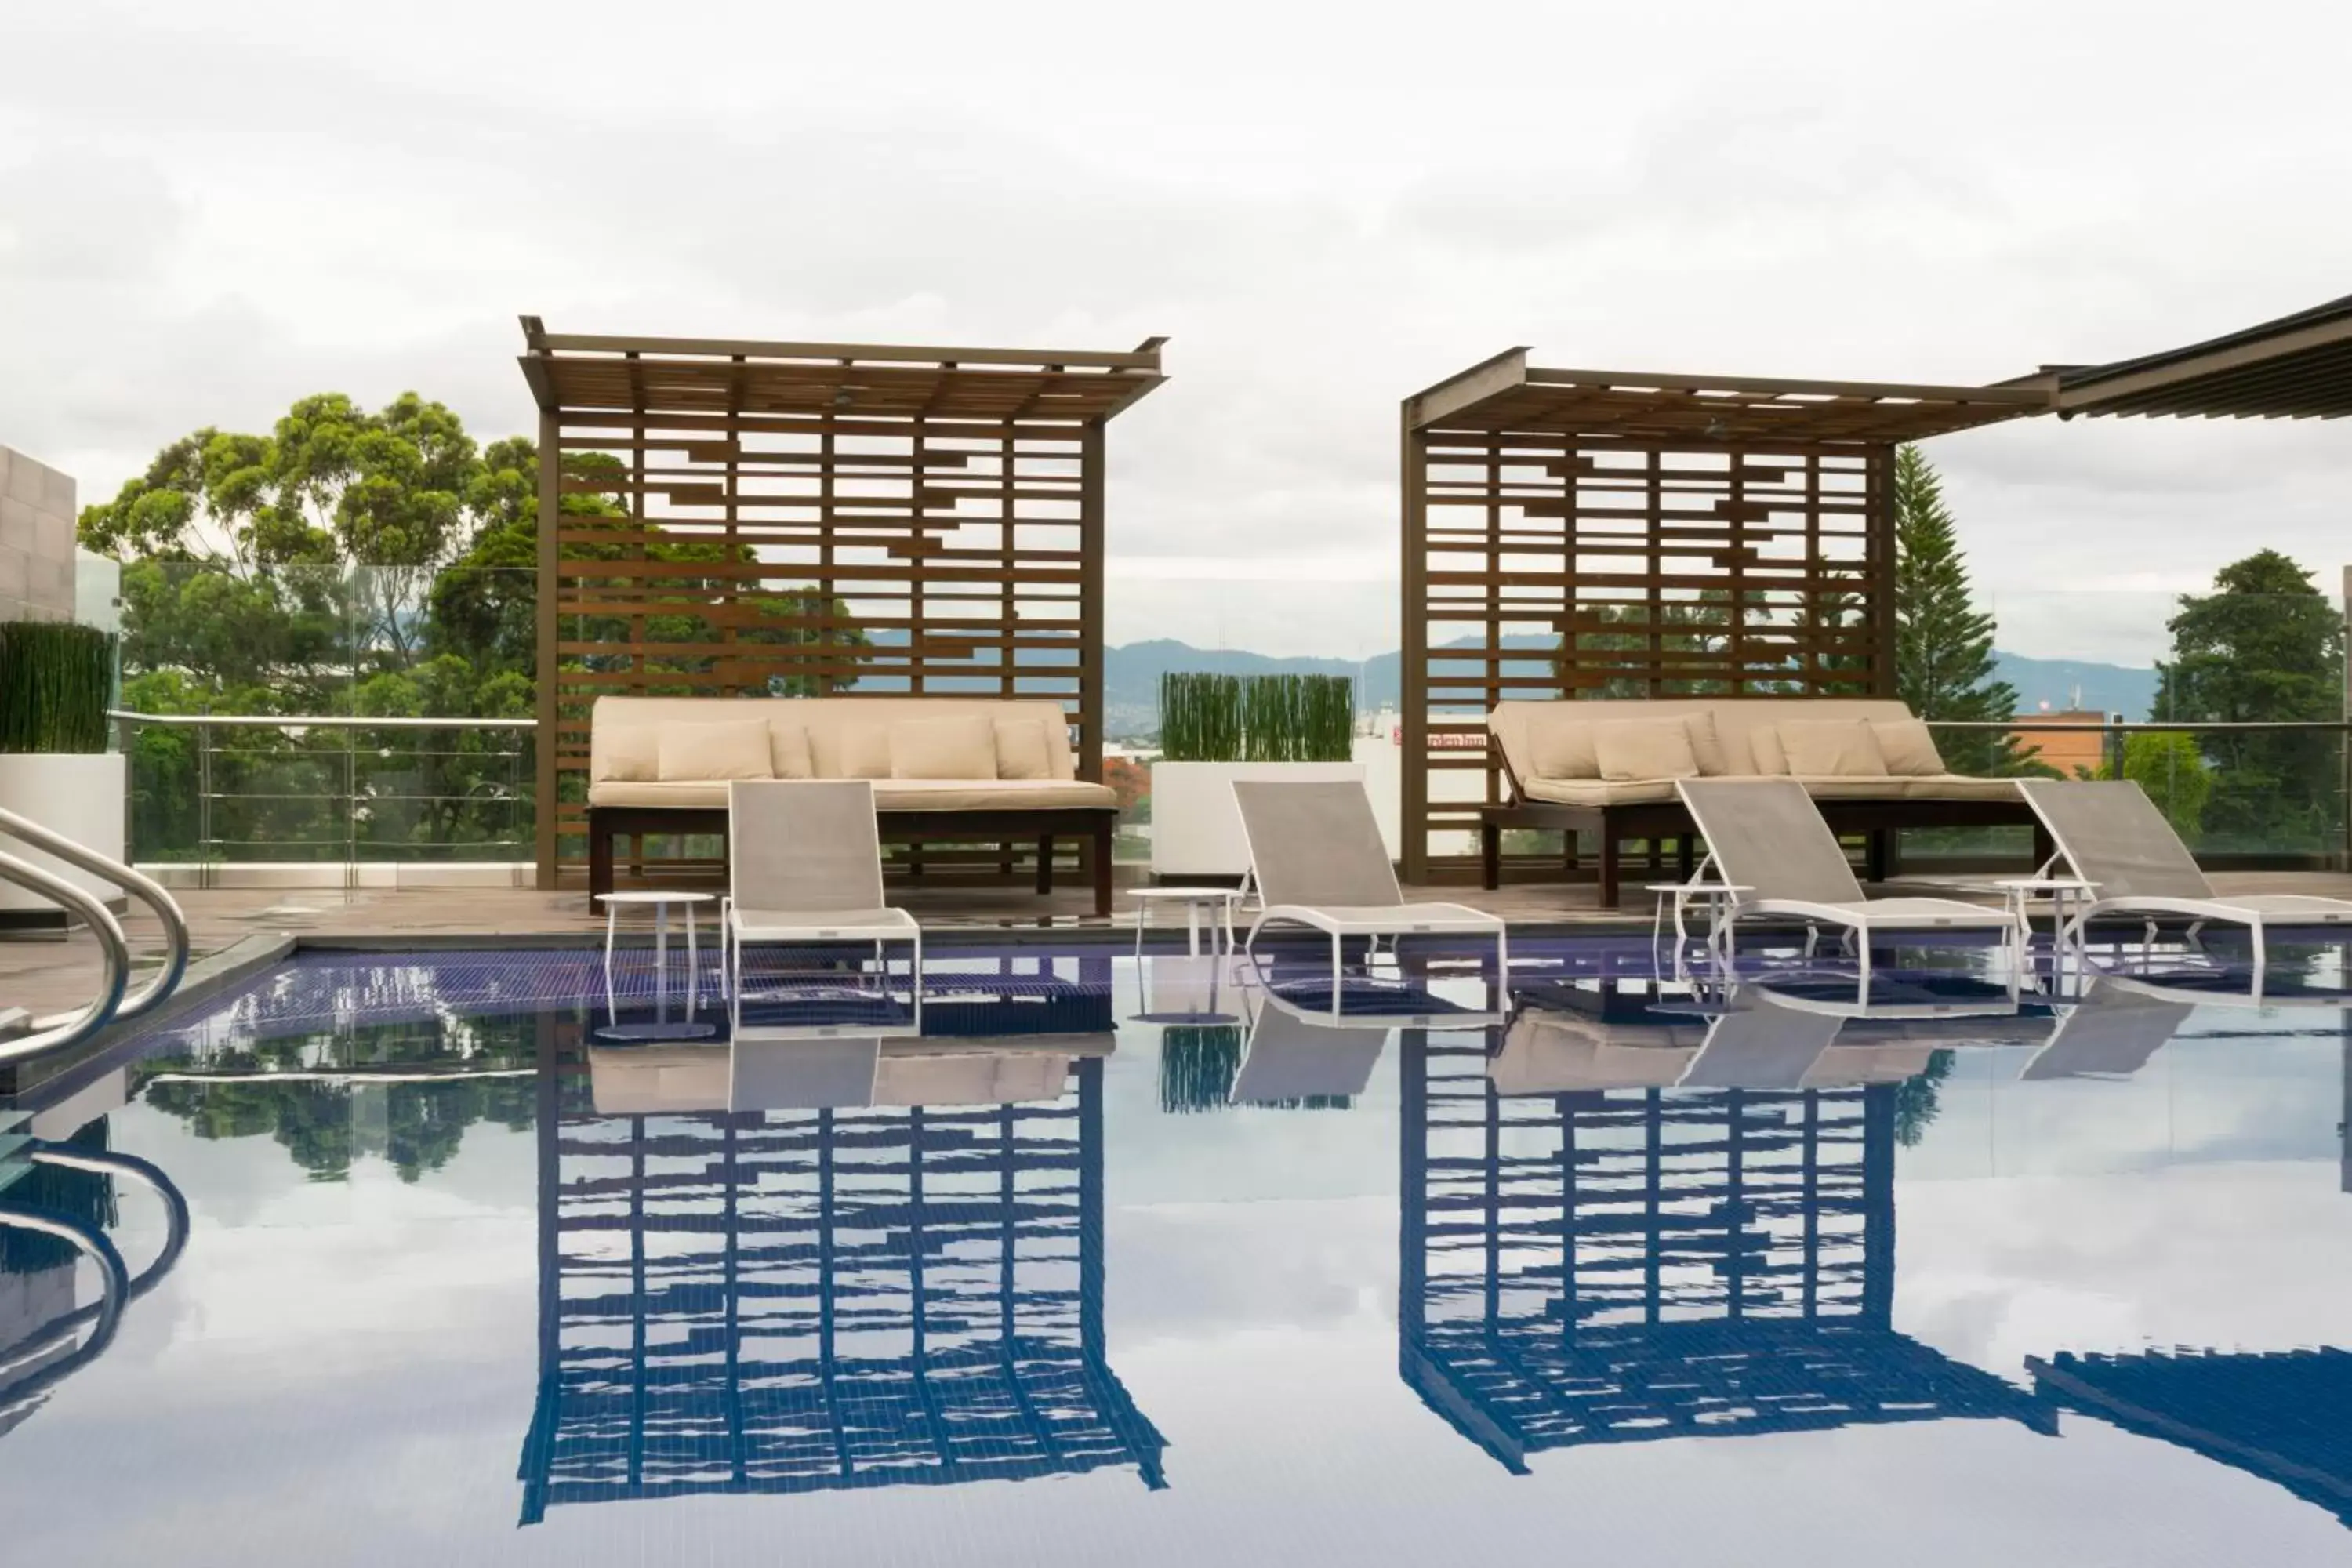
x=1593, y=533
x=1569, y=566
x=798, y=520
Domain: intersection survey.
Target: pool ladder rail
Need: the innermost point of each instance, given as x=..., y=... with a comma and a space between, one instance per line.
x=38, y=1362
x=26, y=1039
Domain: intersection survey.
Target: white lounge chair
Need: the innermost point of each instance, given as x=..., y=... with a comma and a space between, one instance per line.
x=805, y=866
x=1767, y=838
x=2114, y=837
x=1317, y=860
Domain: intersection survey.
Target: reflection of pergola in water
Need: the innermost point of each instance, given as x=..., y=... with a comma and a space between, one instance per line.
x=1624, y=1265
x=2279, y=1415
x=791, y=1302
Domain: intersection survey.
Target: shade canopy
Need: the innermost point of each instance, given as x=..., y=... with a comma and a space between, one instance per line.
x=2296, y=367
x=572, y=372
x=1506, y=394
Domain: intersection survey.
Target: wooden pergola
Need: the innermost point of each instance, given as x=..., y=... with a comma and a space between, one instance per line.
x=722, y=518
x=1589, y=533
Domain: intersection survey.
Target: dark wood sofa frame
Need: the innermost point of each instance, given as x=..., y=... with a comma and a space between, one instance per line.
x=1092, y=824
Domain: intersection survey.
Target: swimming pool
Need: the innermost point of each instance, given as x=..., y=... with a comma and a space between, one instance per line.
x=487, y=1263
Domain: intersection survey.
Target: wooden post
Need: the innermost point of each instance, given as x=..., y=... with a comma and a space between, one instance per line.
x=1090, y=602
x=550, y=467
x=1413, y=688
x=1881, y=579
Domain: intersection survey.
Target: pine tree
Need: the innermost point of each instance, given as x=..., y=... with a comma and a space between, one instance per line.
x=1942, y=643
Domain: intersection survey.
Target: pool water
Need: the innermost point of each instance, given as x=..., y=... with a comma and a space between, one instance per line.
x=498, y=1257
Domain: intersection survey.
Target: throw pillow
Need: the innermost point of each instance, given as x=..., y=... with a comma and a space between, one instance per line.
x=625, y=753
x=1023, y=750
x=1644, y=749
x=711, y=753
x=1909, y=748
x=789, y=747
x=1559, y=746
x=962, y=748
x=1707, y=744
x=1764, y=743
x=1833, y=748
x=864, y=751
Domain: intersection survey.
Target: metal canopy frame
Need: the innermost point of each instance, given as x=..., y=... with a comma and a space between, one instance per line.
x=723, y=517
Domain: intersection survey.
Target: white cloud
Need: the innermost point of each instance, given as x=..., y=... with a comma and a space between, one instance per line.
x=204, y=216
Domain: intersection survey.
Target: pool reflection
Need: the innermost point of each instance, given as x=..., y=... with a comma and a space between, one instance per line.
x=807, y=1262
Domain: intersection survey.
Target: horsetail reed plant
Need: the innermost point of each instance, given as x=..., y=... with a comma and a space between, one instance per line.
x=1197, y=1064
x=1199, y=718
x=1297, y=718
x=56, y=680
x=1327, y=719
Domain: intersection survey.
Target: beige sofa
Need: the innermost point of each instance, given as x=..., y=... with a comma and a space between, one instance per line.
x=976, y=769
x=1608, y=766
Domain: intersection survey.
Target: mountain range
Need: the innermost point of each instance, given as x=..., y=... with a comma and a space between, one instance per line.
x=1131, y=675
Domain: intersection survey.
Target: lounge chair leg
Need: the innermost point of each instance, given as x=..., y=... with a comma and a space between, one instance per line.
x=1608, y=867
x=1046, y=864
x=600, y=860
x=1490, y=856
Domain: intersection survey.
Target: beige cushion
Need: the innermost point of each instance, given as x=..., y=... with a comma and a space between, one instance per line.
x=963, y=747
x=700, y=754
x=1023, y=750
x=1831, y=747
x=1707, y=744
x=865, y=751
x=788, y=751
x=1644, y=749
x=908, y=794
x=1908, y=747
x=1575, y=791
x=1764, y=746
x=624, y=753
x=1560, y=746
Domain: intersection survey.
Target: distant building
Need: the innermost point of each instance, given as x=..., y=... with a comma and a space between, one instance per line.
x=2067, y=750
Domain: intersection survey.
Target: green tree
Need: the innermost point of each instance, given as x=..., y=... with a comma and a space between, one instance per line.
x=2168, y=765
x=1942, y=643
x=2264, y=645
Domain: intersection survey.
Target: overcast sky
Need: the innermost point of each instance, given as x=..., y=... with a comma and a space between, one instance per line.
x=208, y=210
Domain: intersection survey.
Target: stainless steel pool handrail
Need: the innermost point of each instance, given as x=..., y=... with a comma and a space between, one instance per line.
x=146, y=889
x=59, y=1031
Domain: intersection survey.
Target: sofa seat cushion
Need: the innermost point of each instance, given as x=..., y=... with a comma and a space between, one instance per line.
x=1635, y=792
x=889, y=795
x=1599, y=792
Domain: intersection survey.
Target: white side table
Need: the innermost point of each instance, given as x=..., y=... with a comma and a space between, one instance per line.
x=1712, y=898
x=2064, y=893
x=660, y=902
x=1220, y=901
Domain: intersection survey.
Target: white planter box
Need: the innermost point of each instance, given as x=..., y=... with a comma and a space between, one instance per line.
x=76, y=795
x=1196, y=830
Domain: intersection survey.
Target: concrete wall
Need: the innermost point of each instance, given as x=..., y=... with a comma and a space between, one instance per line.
x=36, y=540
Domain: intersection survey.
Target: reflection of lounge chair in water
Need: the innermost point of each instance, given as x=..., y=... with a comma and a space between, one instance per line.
x=796, y=1073
x=1296, y=1055
x=2111, y=1033
x=1757, y=1039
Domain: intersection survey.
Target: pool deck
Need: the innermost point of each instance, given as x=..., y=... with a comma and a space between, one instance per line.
x=51, y=973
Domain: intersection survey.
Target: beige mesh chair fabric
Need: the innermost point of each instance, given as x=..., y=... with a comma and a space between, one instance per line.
x=808, y=847
x=1767, y=834
x=1315, y=844
x=1317, y=859
x=2113, y=834
x=1767, y=838
x=2111, y=1033
x=805, y=865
